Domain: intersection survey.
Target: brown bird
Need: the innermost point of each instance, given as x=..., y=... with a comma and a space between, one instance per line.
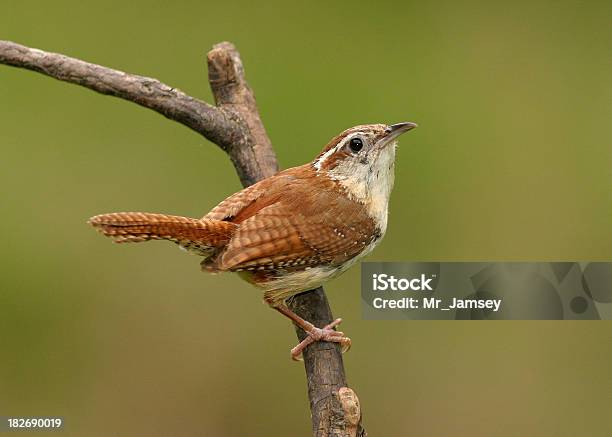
x=292, y=231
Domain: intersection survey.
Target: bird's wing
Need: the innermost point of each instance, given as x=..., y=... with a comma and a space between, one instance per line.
x=289, y=227
x=227, y=209
x=243, y=204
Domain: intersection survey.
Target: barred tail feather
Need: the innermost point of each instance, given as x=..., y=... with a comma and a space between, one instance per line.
x=200, y=236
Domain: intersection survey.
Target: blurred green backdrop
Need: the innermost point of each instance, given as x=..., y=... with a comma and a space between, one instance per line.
x=512, y=161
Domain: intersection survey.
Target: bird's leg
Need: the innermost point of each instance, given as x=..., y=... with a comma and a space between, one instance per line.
x=327, y=333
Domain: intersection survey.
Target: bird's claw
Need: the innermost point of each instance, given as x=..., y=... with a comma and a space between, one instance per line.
x=327, y=333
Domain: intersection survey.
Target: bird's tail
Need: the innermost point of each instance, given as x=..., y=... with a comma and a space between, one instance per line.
x=195, y=235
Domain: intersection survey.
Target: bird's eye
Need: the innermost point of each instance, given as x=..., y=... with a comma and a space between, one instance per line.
x=356, y=144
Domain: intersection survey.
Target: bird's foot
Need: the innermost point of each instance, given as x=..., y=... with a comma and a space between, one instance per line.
x=327, y=333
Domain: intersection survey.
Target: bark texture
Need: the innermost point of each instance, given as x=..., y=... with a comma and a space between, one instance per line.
x=234, y=125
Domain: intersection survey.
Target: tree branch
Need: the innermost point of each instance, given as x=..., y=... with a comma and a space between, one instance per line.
x=325, y=374
x=252, y=156
x=235, y=126
x=213, y=123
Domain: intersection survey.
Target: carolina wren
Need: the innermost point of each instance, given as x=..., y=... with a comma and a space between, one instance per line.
x=292, y=231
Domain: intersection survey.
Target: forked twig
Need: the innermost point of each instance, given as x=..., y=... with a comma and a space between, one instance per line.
x=235, y=126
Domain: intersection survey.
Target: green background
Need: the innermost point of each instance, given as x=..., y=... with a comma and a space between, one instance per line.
x=512, y=161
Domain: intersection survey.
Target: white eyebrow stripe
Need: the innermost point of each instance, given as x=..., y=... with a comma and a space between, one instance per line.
x=326, y=155
x=319, y=162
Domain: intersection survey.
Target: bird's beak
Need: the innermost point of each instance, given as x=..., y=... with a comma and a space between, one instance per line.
x=395, y=130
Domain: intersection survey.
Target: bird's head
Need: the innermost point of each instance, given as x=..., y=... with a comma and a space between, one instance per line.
x=362, y=158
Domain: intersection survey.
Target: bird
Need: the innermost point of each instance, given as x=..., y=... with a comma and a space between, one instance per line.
x=292, y=231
